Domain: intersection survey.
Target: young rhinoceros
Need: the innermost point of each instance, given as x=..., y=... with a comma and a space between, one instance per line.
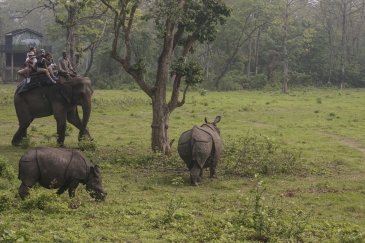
x=59, y=168
x=200, y=148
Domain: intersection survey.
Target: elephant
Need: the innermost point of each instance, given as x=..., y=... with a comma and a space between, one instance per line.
x=61, y=101
x=59, y=168
x=200, y=147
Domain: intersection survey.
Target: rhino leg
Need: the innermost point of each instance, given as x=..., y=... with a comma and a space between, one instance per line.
x=62, y=189
x=194, y=174
x=72, y=188
x=212, y=168
x=200, y=175
x=23, y=191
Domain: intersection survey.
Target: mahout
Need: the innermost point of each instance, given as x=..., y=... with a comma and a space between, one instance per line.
x=59, y=168
x=60, y=100
x=200, y=147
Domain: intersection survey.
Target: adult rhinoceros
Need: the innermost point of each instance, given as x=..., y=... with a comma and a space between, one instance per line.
x=200, y=148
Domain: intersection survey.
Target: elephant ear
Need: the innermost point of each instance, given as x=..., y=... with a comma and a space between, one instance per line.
x=217, y=119
x=66, y=92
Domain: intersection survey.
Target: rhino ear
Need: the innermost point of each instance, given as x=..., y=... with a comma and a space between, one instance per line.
x=205, y=119
x=217, y=119
x=96, y=170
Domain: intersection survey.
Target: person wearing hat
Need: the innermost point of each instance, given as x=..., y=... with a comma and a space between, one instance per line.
x=30, y=64
x=42, y=66
x=64, y=65
x=50, y=65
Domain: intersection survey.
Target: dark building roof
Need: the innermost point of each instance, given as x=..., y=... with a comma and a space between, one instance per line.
x=20, y=31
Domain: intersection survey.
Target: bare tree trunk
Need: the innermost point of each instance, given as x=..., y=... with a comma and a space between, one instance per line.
x=160, y=120
x=90, y=62
x=257, y=45
x=207, y=61
x=71, y=34
x=343, y=43
x=248, y=67
x=160, y=140
x=285, y=50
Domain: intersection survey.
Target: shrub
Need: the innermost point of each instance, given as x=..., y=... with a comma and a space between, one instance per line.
x=254, y=82
x=6, y=170
x=5, y=202
x=26, y=143
x=259, y=222
x=255, y=154
x=48, y=202
x=87, y=145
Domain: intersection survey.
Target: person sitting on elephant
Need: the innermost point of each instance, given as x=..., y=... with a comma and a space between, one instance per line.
x=50, y=65
x=29, y=64
x=64, y=65
x=42, y=66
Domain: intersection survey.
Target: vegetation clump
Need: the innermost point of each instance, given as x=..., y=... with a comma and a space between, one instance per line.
x=6, y=170
x=257, y=154
x=257, y=221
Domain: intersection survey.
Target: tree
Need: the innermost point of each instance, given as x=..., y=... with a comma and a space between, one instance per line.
x=248, y=20
x=83, y=26
x=179, y=25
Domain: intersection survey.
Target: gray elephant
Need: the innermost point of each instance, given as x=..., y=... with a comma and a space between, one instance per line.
x=200, y=148
x=59, y=168
x=58, y=100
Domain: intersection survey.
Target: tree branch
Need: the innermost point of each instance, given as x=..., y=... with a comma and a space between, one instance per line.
x=120, y=17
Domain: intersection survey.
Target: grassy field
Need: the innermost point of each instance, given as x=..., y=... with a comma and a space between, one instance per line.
x=292, y=170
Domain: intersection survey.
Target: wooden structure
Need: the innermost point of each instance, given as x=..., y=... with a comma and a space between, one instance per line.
x=17, y=44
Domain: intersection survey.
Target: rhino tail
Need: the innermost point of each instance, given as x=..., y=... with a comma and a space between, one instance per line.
x=199, y=155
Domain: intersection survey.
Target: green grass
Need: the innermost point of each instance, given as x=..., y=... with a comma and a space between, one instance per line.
x=149, y=196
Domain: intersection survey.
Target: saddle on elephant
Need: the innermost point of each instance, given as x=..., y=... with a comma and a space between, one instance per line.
x=35, y=80
x=40, y=79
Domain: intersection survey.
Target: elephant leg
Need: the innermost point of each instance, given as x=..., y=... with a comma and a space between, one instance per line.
x=72, y=188
x=23, y=191
x=194, y=174
x=21, y=132
x=61, y=127
x=74, y=118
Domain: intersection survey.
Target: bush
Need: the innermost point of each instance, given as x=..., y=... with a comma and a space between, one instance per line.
x=48, y=202
x=6, y=170
x=255, y=154
x=259, y=222
x=254, y=82
x=87, y=145
x=5, y=202
x=300, y=79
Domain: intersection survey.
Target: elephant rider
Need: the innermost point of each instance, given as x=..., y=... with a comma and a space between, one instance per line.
x=49, y=63
x=30, y=64
x=64, y=65
x=42, y=66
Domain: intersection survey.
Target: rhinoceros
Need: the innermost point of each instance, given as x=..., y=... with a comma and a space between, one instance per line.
x=59, y=168
x=200, y=147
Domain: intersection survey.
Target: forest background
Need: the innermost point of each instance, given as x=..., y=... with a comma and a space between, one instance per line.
x=278, y=43
x=292, y=169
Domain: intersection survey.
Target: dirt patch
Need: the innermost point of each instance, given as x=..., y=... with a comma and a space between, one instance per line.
x=315, y=190
x=352, y=143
